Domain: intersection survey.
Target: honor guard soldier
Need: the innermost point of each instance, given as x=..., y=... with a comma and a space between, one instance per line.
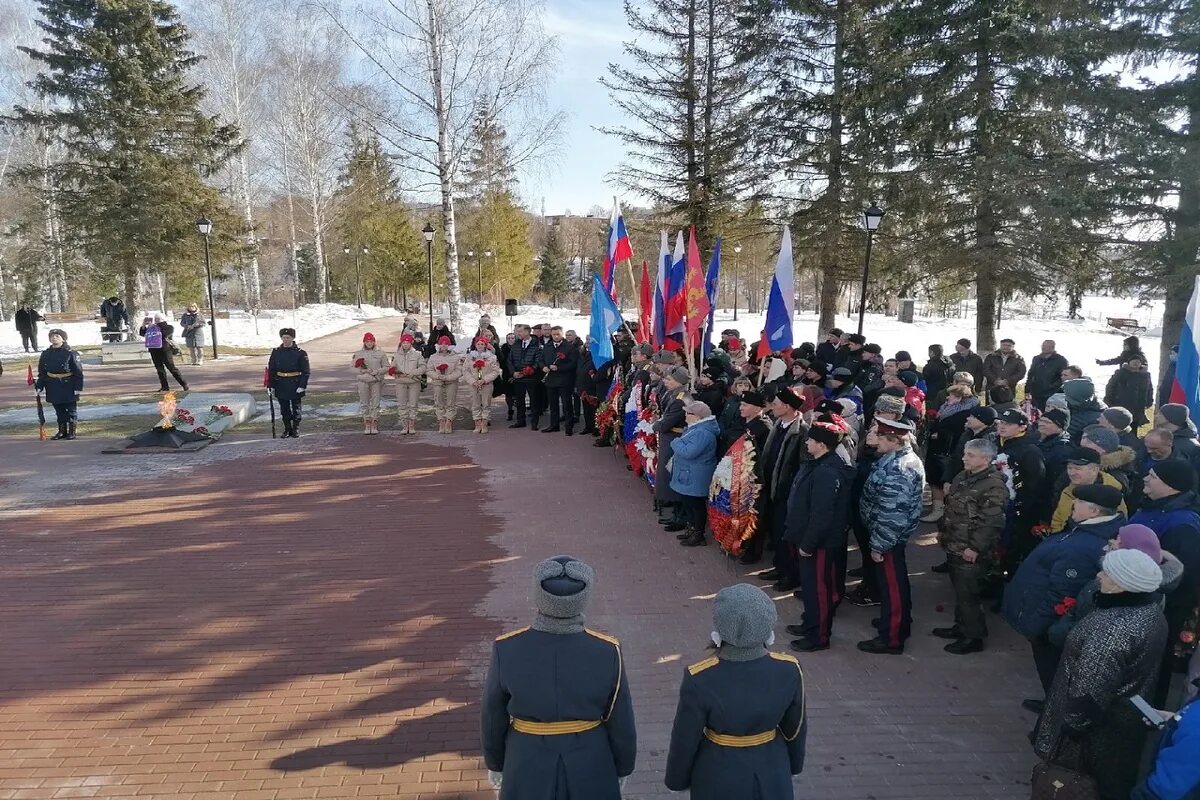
x=740, y=726
x=287, y=375
x=60, y=376
x=557, y=718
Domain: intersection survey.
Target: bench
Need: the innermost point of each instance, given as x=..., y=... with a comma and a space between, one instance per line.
x=1124, y=324
x=123, y=352
x=69, y=316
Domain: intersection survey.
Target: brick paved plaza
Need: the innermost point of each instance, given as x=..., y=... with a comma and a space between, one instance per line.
x=312, y=619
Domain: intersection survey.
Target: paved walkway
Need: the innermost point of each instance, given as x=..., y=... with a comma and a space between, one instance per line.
x=312, y=619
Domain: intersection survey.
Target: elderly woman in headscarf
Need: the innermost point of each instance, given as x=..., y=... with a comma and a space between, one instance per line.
x=740, y=728
x=1111, y=655
x=556, y=715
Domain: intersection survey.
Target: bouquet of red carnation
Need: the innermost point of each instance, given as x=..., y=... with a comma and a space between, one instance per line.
x=479, y=364
x=361, y=363
x=442, y=368
x=561, y=356
x=203, y=431
x=1064, y=607
x=527, y=371
x=392, y=371
x=1041, y=530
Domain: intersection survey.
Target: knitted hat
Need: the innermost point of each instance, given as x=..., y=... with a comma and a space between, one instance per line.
x=841, y=374
x=789, y=396
x=1100, y=494
x=744, y=617
x=825, y=433
x=1013, y=417
x=873, y=348
x=1176, y=473
x=754, y=398
x=985, y=414
x=282, y=332
x=1118, y=417
x=936, y=351
x=903, y=355
x=858, y=339
x=680, y=375
x=59, y=331
x=562, y=587
x=1058, y=400
x=888, y=404
x=908, y=378
x=1177, y=414
x=1141, y=538
x=368, y=337
x=1060, y=418
x=1132, y=570
x=828, y=407
x=964, y=343
x=820, y=369
x=835, y=332
x=1102, y=437
x=444, y=340
x=1079, y=390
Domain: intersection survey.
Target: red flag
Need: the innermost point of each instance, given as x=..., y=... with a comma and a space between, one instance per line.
x=29, y=375
x=647, y=305
x=266, y=376
x=695, y=292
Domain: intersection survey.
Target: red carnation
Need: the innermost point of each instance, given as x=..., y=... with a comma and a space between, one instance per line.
x=527, y=371
x=392, y=371
x=1063, y=608
x=442, y=367
x=561, y=356
x=360, y=363
x=479, y=363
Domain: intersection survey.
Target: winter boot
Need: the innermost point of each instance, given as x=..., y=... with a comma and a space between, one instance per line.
x=70, y=431
x=366, y=427
x=483, y=426
x=62, y=432
x=412, y=427
x=696, y=539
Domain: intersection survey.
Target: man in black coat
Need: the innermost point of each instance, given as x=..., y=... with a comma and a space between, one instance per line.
x=937, y=372
x=287, y=377
x=782, y=454
x=1021, y=458
x=966, y=360
x=1056, y=447
x=559, y=360
x=26, y=320
x=827, y=350
x=818, y=511
x=439, y=330
x=1044, y=377
x=523, y=364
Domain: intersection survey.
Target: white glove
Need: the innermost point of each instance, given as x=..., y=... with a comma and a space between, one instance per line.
x=299, y=391
x=495, y=779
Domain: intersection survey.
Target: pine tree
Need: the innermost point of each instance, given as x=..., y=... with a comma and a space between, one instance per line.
x=502, y=227
x=489, y=166
x=552, y=276
x=979, y=136
x=136, y=145
x=688, y=90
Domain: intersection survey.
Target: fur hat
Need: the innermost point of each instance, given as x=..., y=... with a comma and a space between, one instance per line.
x=744, y=617
x=1132, y=570
x=889, y=404
x=680, y=375
x=858, y=339
x=1177, y=414
x=1118, y=417
x=287, y=332
x=562, y=587
x=789, y=396
x=1176, y=473
x=825, y=433
x=59, y=331
x=754, y=398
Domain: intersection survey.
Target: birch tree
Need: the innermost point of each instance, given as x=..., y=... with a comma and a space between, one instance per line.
x=436, y=64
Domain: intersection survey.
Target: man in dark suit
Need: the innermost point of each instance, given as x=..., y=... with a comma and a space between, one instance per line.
x=559, y=360
x=782, y=454
x=523, y=364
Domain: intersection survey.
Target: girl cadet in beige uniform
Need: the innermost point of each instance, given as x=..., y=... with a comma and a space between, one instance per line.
x=408, y=365
x=480, y=371
x=444, y=369
x=371, y=366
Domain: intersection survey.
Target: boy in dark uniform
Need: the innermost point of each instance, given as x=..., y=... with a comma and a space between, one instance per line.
x=287, y=375
x=556, y=715
x=740, y=728
x=60, y=376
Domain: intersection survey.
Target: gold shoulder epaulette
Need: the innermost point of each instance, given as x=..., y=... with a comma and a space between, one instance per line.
x=785, y=657
x=604, y=636
x=511, y=634
x=700, y=666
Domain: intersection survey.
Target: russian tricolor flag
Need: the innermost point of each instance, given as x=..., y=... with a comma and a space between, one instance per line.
x=781, y=303
x=660, y=291
x=619, y=249
x=1186, y=386
x=674, y=301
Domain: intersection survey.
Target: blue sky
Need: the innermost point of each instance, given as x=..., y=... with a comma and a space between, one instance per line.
x=590, y=33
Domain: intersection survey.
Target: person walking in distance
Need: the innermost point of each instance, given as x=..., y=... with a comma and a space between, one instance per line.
x=444, y=369
x=157, y=334
x=287, y=377
x=480, y=371
x=891, y=507
x=193, y=324
x=60, y=376
x=370, y=367
x=408, y=366
x=26, y=320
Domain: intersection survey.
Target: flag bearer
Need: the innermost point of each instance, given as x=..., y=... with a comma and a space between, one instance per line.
x=60, y=376
x=287, y=375
x=557, y=718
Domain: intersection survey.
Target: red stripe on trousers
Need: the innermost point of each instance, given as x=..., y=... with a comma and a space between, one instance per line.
x=822, y=600
x=895, y=612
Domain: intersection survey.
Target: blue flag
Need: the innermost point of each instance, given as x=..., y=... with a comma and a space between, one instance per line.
x=606, y=319
x=710, y=286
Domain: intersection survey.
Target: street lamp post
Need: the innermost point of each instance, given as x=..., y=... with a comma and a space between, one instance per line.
x=364, y=250
x=737, y=251
x=871, y=218
x=205, y=226
x=427, y=231
x=471, y=255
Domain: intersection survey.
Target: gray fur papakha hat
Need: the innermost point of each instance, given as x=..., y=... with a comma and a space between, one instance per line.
x=744, y=615
x=562, y=587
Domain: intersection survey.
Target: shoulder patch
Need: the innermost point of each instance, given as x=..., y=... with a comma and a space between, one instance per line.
x=700, y=666
x=604, y=636
x=511, y=634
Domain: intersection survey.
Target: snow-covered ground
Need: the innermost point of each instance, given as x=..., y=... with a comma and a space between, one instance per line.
x=240, y=330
